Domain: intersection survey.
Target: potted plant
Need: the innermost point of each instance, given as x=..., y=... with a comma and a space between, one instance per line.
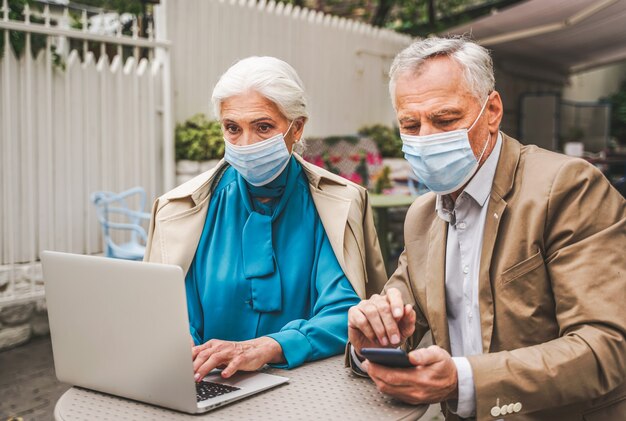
x=199, y=145
x=395, y=170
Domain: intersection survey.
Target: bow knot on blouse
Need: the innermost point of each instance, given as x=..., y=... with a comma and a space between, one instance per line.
x=259, y=261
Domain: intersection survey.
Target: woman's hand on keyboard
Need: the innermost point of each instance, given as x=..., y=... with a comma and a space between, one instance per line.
x=234, y=356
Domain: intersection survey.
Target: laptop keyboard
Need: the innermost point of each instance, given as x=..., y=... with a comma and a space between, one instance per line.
x=208, y=390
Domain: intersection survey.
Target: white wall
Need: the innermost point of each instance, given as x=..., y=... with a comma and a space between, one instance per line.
x=343, y=64
x=595, y=84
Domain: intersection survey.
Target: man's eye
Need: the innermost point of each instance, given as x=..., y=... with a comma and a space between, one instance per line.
x=231, y=129
x=447, y=122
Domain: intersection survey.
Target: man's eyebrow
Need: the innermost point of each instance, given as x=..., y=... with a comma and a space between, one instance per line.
x=446, y=112
x=409, y=119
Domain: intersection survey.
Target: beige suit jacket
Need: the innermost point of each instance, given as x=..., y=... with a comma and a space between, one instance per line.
x=552, y=288
x=179, y=215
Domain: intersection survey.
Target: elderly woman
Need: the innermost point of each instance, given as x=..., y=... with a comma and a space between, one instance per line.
x=275, y=250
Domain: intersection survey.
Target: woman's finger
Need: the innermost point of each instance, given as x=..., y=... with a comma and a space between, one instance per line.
x=233, y=366
x=214, y=361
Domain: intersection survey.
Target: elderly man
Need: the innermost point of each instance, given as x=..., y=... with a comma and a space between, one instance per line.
x=515, y=261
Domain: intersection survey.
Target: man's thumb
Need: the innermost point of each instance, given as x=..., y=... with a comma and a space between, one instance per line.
x=426, y=356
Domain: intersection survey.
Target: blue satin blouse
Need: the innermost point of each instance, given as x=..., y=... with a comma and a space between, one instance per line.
x=268, y=269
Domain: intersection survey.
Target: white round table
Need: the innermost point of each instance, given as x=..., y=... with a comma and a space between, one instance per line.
x=319, y=390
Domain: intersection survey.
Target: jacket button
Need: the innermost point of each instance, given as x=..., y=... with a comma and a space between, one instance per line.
x=503, y=410
x=495, y=411
x=517, y=407
x=509, y=408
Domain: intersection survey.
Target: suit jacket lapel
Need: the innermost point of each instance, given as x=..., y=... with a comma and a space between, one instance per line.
x=496, y=208
x=435, y=283
x=502, y=185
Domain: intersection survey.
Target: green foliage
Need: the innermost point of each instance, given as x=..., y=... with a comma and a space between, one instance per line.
x=17, y=39
x=618, y=114
x=199, y=139
x=383, y=181
x=413, y=17
x=386, y=138
x=418, y=19
x=120, y=6
x=574, y=134
x=333, y=140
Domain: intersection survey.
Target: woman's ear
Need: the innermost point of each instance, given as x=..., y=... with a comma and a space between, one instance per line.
x=298, y=128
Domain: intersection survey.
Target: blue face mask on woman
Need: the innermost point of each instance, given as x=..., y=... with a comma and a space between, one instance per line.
x=261, y=162
x=444, y=162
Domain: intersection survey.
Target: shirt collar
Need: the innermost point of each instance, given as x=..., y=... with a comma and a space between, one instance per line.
x=478, y=188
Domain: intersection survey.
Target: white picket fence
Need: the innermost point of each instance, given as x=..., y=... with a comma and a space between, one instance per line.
x=344, y=64
x=67, y=132
x=106, y=124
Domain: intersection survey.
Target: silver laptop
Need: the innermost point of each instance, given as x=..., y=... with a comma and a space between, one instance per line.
x=121, y=327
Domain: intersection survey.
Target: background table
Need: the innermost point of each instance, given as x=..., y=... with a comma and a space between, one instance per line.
x=380, y=204
x=319, y=390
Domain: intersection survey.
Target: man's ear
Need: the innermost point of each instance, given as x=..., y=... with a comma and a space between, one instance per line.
x=494, y=112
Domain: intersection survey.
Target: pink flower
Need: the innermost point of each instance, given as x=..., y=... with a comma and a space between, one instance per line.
x=318, y=161
x=354, y=177
x=373, y=158
x=334, y=159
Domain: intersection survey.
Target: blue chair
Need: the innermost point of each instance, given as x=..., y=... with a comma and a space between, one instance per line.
x=114, y=214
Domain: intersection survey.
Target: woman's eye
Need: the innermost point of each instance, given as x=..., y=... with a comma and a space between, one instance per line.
x=230, y=129
x=264, y=128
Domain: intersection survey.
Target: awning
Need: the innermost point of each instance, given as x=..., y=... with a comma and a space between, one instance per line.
x=565, y=36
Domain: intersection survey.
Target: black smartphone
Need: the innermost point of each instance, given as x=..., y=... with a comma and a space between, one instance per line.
x=390, y=357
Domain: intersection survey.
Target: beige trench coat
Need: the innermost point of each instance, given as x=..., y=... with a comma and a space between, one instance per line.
x=179, y=215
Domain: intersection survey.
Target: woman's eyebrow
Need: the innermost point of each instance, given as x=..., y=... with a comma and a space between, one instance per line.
x=257, y=120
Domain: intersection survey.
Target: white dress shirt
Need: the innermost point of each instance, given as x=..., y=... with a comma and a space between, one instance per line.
x=466, y=223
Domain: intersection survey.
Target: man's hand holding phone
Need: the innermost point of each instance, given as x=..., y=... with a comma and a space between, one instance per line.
x=385, y=321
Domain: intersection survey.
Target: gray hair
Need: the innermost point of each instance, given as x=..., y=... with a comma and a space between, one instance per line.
x=270, y=77
x=474, y=59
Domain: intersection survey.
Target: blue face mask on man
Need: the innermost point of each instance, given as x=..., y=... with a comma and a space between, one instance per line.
x=261, y=162
x=444, y=162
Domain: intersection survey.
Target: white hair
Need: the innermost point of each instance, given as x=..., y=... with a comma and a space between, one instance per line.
x=272, y=78
x=475, y=61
